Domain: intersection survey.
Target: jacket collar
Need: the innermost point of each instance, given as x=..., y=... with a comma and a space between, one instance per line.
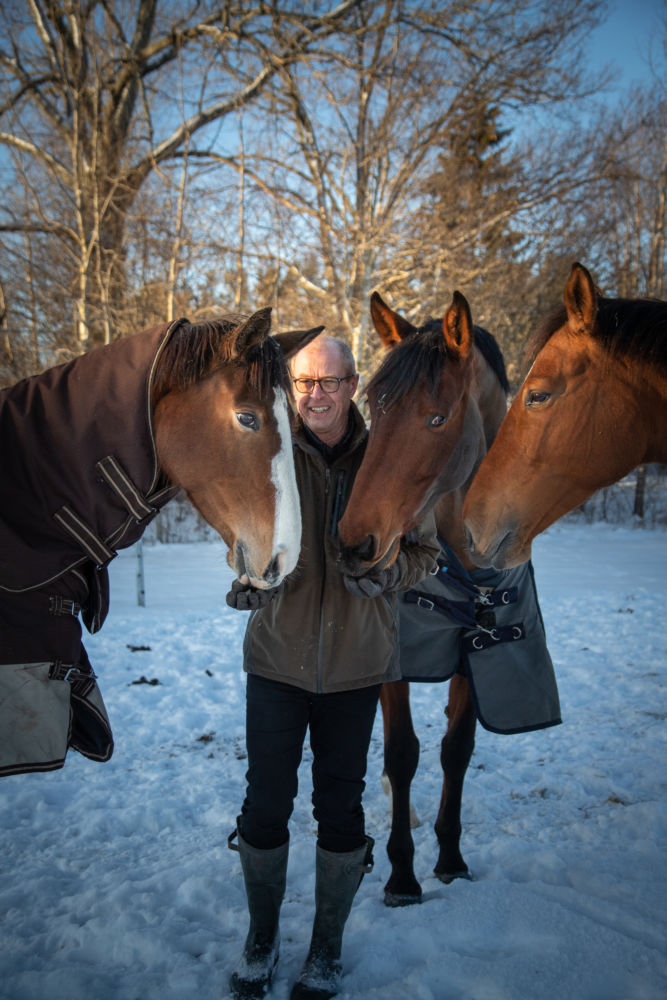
x=355, y=435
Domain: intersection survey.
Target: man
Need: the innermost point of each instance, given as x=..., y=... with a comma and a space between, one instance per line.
x=316, y=657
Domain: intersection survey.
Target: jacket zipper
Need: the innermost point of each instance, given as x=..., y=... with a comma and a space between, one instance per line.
x=320, y=643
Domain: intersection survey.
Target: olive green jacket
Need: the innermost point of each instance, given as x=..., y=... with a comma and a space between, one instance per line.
x=314, y=634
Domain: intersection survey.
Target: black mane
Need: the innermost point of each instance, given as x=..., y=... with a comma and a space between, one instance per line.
x=195, y=350
x=422, y=355
x=631, y=328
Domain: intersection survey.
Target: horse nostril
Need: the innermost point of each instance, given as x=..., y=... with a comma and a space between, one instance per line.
x=366, y=550
x=272, y=571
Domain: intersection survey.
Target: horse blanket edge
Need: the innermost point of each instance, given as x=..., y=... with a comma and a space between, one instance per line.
x=487, y=625
x=53, y=565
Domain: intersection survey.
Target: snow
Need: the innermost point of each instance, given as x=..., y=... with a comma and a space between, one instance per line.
x=117, y=883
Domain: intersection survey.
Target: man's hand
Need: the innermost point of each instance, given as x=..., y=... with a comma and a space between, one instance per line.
x=373, y=583
x=243, y=597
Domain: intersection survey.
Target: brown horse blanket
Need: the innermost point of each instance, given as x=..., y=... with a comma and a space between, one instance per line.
x=79, y=479
x=488, y=626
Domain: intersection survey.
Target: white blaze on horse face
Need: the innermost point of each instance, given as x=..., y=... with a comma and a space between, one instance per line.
x=287, y=525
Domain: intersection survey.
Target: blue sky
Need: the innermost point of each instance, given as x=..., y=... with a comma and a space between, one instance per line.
x=632, y=28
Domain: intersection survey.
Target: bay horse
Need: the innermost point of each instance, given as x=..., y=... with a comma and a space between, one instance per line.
x=436, y=403
x=90, y=452
x=592, y=407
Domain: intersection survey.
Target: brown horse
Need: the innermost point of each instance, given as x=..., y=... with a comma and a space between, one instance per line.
x=436, y=404
x=592, y=407
x=223, y=435
x=91, y=450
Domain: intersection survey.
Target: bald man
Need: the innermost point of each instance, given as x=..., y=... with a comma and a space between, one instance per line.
x=316, y=653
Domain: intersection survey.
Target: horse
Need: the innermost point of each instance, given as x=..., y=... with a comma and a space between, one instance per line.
x=91, y=451
x=592, y=408
x=436, y=404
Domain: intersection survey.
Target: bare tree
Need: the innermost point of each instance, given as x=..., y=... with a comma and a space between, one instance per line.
x=86, y=111
x=357, y=130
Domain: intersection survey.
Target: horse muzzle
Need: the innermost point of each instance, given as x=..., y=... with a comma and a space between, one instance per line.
x=355, y=560
x=273, y=573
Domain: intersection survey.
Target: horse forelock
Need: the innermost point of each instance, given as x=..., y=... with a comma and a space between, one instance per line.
x=196, y=350
x=422, y=356
x=419, y=357
x=266, y=368
x=635, y=329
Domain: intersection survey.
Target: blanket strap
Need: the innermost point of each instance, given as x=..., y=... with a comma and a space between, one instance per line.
x=81, y=676
x=116, y=476
x=59, y=605
x=491, y=637
x=94, y=547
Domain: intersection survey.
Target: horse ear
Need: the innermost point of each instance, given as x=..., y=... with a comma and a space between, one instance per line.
x=581, y=299
x=457, y=327
x=391, y=327
x=293, y=340
x=253, y=330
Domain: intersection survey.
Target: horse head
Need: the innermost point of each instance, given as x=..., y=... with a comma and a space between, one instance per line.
x=424, y=437
x=590, y=410
x=221, y=416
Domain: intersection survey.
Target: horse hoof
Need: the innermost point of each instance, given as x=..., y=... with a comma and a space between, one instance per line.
x=401, y=898
x=448, y=877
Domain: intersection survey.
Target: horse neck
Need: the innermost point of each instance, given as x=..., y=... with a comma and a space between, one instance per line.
x=491, y=400
x=656, y=411
x=449, y=524
x=488, y=396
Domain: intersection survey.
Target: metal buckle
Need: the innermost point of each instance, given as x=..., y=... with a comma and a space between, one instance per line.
x=70, y=672
x=423, y=602
x=59, y=605
x=484, y=599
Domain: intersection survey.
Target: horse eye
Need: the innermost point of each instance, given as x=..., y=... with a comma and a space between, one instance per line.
x=248, y=420
x=437, y=421
x=536, y=398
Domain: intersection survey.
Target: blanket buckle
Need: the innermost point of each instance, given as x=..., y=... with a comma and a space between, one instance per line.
x=70, y=672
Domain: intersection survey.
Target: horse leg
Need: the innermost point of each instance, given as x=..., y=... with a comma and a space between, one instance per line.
x=456, y=751
x=401, y=755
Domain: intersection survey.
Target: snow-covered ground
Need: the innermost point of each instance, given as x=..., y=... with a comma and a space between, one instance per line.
x=116, y=882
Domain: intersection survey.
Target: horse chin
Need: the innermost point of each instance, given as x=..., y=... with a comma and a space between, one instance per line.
x=354, y=561
x=502, y=552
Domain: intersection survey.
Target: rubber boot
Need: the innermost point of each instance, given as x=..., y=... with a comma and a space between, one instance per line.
x=337, y=878
x=264, y=873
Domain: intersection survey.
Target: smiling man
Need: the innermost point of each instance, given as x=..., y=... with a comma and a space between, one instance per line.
x=323, y=398
x=316, y=657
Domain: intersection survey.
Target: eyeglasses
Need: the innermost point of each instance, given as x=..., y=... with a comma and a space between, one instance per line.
x=330, y=383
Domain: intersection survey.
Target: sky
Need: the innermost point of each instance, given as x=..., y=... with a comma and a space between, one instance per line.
x=632, y=29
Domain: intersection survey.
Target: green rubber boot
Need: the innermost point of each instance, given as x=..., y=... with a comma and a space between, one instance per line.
x=337, y=878
x=265, y=874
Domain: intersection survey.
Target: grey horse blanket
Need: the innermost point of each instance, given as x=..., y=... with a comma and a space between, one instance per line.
x=79, y=479
x=488, y=626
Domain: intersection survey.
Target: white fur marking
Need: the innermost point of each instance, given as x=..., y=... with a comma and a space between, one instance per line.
x=287, y=528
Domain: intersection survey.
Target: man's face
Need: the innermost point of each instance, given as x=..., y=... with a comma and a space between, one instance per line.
x=324, y=413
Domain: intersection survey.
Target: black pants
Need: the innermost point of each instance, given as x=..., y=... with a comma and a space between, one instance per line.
x=277, y=718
